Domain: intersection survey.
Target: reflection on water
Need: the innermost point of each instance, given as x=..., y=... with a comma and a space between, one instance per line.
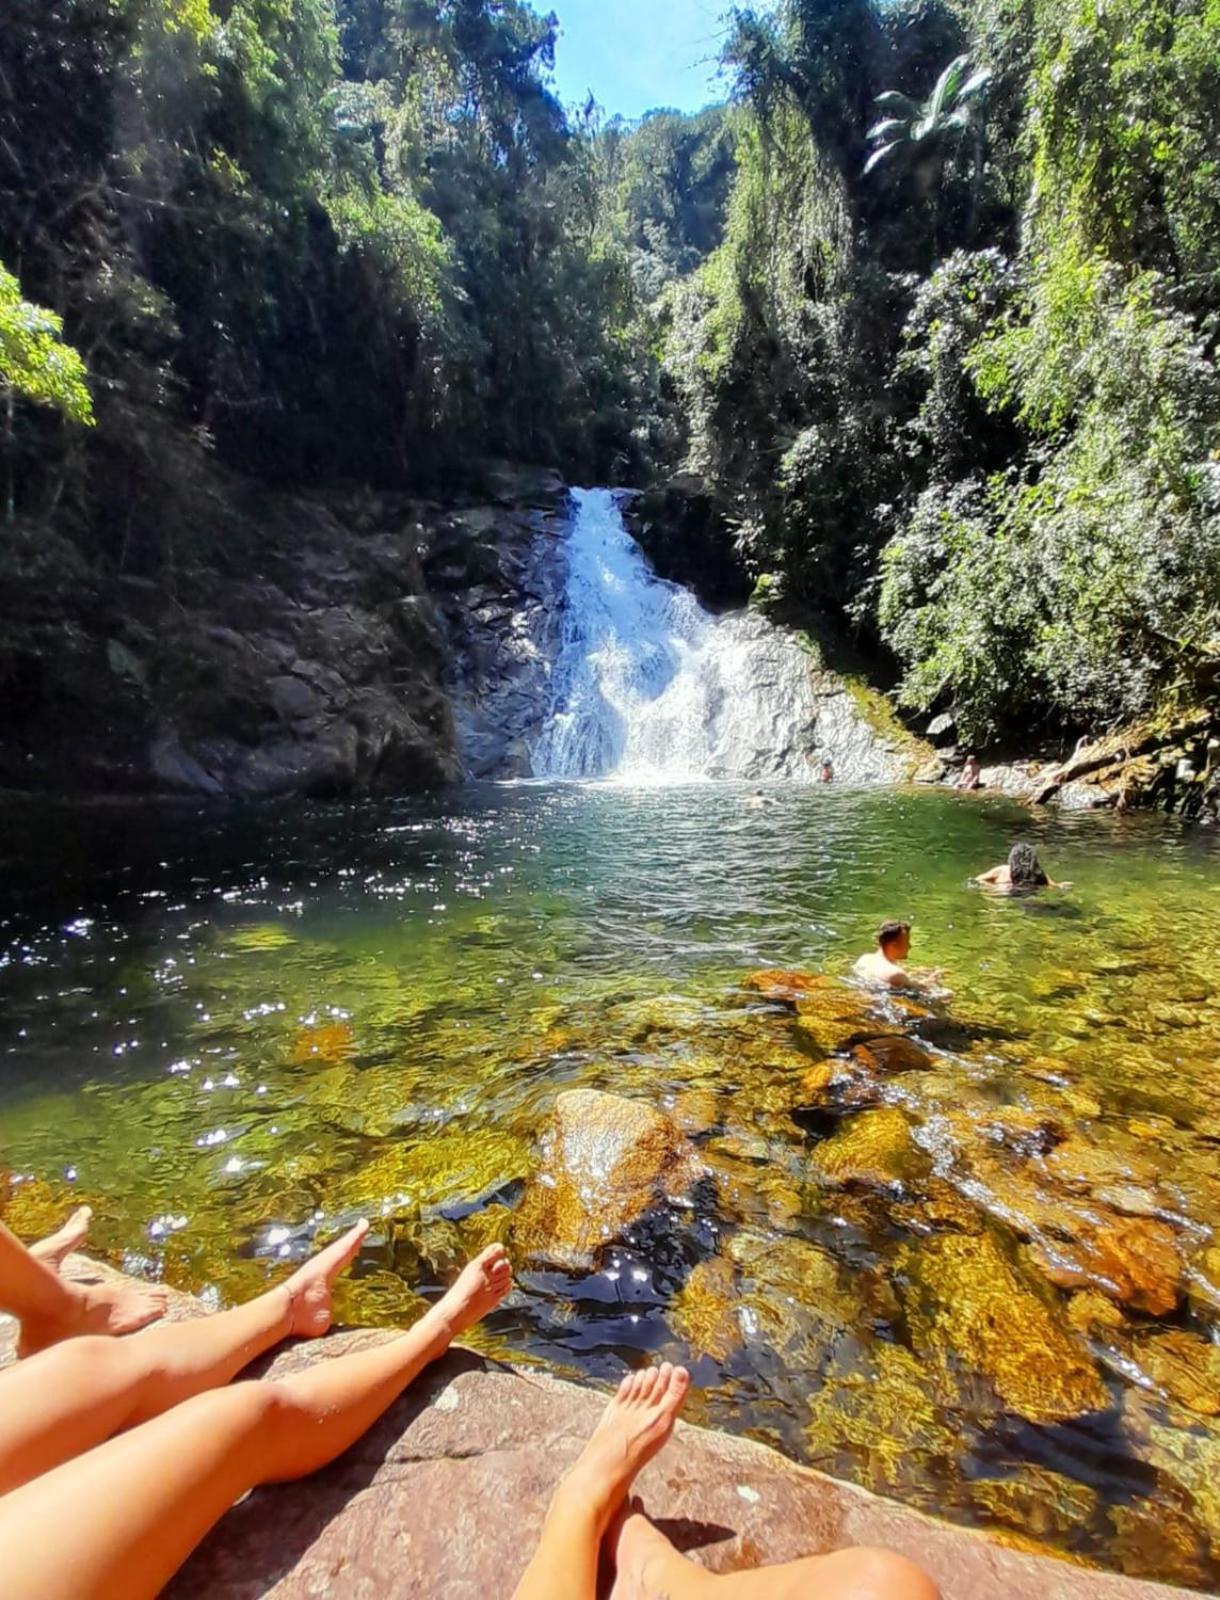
x=228, y=1032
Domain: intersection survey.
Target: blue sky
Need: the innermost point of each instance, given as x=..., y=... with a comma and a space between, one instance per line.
x=635, y=55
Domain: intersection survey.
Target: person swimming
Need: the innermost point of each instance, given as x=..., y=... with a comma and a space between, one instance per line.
x=883, y=969
x=1022, y=873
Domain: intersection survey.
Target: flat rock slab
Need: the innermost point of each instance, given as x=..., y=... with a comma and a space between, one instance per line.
x=444, y=1498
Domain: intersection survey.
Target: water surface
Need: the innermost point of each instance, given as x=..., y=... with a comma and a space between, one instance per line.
x=232, y=1031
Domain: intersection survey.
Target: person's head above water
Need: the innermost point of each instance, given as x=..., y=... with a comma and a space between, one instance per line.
x=894, y=940
x=1024, y=868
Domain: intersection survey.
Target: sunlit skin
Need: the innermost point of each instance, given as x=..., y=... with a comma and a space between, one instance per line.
x=50, y=1308
x=884, y=967
x=590, y=1509
x=120, y=1454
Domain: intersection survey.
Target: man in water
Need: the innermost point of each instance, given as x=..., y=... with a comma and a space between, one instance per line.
x=828, y=771
x=882, y=968
x=1020, y=874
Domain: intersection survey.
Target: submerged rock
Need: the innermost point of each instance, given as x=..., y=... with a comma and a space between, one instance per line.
x=704, y=1311
x=606, y=1161
x=967, y=1304
x=874, y=1150
x=452, y=1172
x=1184, y=1367
x=1135, y=1260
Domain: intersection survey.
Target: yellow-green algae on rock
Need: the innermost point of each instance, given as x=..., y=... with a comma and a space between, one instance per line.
x=967, y=1305
x=873, y=1150
x=605, y=1161
x=704, y=1310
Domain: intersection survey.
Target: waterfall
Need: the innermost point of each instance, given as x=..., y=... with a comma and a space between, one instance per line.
x=649, y=687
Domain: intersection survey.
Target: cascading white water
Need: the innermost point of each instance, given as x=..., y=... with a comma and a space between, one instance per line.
x=648, y=687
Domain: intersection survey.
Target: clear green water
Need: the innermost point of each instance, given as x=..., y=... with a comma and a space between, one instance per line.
x=231, y=1031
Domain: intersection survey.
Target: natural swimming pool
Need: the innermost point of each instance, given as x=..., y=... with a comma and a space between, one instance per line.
x=228, y=1030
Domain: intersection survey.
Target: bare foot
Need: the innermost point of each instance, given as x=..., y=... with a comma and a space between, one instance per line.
x=483, y=1284
x=644, y=1559
x=309, y=1288
x=634, y=1428
x=105, y=1307
x=52, y=1251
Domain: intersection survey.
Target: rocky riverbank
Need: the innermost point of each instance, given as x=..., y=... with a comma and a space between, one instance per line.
x=408, y=1511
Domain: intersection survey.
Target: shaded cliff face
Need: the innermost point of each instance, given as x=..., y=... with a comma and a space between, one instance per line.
x=364, y=644
x=302, y=656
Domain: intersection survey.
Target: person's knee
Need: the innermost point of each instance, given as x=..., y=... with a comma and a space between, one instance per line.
x=885, y=1575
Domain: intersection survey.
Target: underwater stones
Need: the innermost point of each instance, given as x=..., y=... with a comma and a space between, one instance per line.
x=872, y=1150
x=786, y=986
x=1153, y=1538
x=704, y=1311
x=1036, y=1501
x=605, y=1162
x=451, y=1171
x=1135, y=1260
x=938, y=1207
x=697, y=1110
x=331, y=1043
x=966, y=1304
x=1091, y=1314
x=1186, y=1368
x=888, y=1054
x=884, y=1417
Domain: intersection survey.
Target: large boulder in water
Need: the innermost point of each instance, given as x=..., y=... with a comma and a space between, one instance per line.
x=606, y=1161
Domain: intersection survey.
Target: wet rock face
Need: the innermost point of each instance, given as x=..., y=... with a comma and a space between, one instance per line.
x=497, y=573
x=605, y=1162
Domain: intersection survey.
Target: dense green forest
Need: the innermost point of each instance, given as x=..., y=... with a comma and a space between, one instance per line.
x=928, y=310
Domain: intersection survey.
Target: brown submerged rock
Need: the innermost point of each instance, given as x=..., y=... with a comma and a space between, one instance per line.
x=891, y=1053
x=787, y=986
x=704, y=1311
x=873, y=1150
x=1135, y=1260
x=967, y=1304
x=606, y=1161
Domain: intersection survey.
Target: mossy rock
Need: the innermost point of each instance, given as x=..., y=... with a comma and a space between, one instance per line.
x=874, y=1150
x=890, y=1054
x=1036, y=1501
x=1185, y=1367
x=605, y=1162
x=704, y=1311
x=967, y=1304
x=453, y=1170
x=884, y=1418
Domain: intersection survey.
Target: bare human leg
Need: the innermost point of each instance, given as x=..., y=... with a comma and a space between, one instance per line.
x=53, y=1250
x=116, y=1523
x=647, y=1567
x=64, y=1401
x=50, y=1308
x=634, y=1428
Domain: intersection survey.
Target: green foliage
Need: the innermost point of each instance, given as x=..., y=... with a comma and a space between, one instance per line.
x=35, y=363
x=951, y=109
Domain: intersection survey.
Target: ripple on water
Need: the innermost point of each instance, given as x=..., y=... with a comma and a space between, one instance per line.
x=230, y=1032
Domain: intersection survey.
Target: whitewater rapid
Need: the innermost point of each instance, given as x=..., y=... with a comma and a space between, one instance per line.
x=649, y=687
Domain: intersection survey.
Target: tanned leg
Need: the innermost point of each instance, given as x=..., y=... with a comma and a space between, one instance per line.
x=53, y=1250
x=647, y=1567
x=64, y=1401
x=634, y=1428
x=117, y=1523
x=50, y=1308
